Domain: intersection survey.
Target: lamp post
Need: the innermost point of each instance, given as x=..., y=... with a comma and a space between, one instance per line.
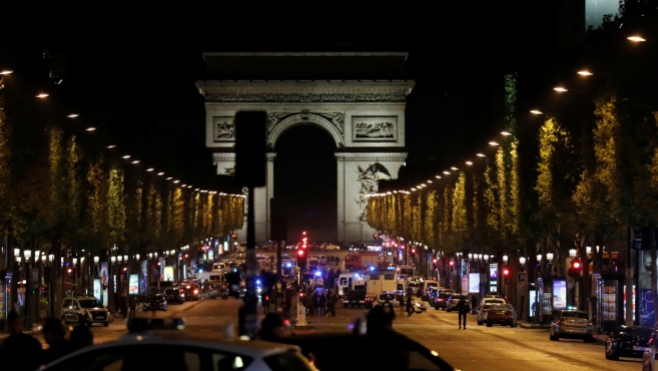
x=29, y=299
x=539, y=289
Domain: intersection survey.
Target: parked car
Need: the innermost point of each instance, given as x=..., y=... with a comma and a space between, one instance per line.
x=171, y=349
x=628, y=341
x=174, y=295
x=572, y=324
x=432, y=294
x=501, y=314
x=487, y=299
x=454, y=299
x=155, y=300
x=85, y=310
x=650, y=356
x=427, y=285
x=441, y=301
x=396, y=298
x=482, y=313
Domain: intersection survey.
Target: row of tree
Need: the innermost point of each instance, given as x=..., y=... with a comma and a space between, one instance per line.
x=63, y=192
x=581, y=178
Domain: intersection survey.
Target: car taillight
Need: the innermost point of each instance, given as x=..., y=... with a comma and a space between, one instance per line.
x=557, y=322
x=650, y=341
x=196, y=291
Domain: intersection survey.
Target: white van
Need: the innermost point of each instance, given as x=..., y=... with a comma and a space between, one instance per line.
x=348, y=281
x=220, y=267
x=212, y=277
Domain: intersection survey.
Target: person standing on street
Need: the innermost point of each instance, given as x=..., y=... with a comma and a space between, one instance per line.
x=331, y=303
x=19, y=351
x=132, y=302
x=409, y=308
x=463, y=308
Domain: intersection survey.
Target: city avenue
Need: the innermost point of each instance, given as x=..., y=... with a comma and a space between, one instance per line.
x=477, y=348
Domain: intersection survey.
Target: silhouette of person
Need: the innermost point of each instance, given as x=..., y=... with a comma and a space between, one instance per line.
x=19, y=351
x=54, y=335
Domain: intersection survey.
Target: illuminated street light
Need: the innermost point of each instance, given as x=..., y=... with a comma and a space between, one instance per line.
x=73, y=115
x=494, y=144
x=6, y=72
x=136, y=162
x=536, y=112
x=481, y=155
x=161, y=173
x=636, y=39
x=111, y=146
x=446, y=172
x=505, y=133
x=438, y=176
x=42, y=95
x=560, y=89
x=150, y=169
x=469, y=163
x=584, y=73
x=454, y=168
x=126, y=157
x=91, y=128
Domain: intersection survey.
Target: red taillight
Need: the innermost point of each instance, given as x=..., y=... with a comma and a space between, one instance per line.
x=557, y=322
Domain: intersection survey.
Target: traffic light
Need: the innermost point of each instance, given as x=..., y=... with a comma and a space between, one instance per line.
x=506, y=273
x=574, y=270
x=452, y=263
x=301, y=259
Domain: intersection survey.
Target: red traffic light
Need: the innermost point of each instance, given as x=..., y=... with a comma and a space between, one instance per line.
x=576, y=264
x=301, y=252
x=434, y=261
x=505, y=272
x=452, y=263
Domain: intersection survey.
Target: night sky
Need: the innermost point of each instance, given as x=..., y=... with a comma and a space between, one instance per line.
x=134, y=77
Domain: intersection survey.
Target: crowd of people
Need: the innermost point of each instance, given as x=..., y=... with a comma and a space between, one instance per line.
x=21, y=351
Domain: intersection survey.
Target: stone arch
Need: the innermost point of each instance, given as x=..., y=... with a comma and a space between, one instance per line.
x=285, y=124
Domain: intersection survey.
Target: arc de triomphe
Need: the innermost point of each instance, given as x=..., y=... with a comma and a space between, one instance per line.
x=365, y=117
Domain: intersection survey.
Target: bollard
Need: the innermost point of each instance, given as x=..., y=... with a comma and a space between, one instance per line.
x=301, y=313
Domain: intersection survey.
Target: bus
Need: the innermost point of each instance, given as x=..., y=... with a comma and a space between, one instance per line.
x=406, y=271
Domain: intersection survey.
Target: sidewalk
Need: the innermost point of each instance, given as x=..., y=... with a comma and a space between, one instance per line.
x=598, y=338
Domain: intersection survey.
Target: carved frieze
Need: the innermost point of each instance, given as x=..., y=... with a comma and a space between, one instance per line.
x=306, y=97
x=223, y=129
x=374, y=128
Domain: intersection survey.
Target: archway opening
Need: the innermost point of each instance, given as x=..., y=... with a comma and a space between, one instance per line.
x=305, y=190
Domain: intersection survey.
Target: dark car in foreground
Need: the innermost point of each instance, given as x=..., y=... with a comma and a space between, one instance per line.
x=628, y=341
x=390, y=351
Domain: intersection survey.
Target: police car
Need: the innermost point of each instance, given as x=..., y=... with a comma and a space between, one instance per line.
x=158, y=344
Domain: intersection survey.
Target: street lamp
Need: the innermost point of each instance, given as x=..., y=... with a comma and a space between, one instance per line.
x=505, y=259
x=572, y=253
x=522, y=260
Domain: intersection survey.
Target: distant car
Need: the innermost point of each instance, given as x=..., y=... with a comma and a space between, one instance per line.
x=174, y=295
x=454, y=300
x=155, y=300
x=572, y=324
x=500, y=314
x=85, y=310
x=628, y=341
x=396, y=298
x=192, y=291
x=441, y=301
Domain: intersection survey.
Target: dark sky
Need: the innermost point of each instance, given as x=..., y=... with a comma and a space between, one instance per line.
x=133, y=73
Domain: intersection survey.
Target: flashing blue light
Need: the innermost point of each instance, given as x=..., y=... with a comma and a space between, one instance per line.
x=356, y=275
x=289, y=265
x=371, y=268
x=258, y=282
x=235, y=270
x=318, y=273
x=200, y=270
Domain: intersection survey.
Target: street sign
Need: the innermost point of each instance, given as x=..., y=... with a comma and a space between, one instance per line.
x=68, y=283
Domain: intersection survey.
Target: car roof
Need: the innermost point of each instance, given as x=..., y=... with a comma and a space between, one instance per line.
x=250, y=348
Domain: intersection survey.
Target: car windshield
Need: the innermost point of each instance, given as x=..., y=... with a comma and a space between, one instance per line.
x=495, y=301
x=90, y=303
x=582, y=315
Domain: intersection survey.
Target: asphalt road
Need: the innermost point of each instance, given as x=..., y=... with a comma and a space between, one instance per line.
x=477, y=348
